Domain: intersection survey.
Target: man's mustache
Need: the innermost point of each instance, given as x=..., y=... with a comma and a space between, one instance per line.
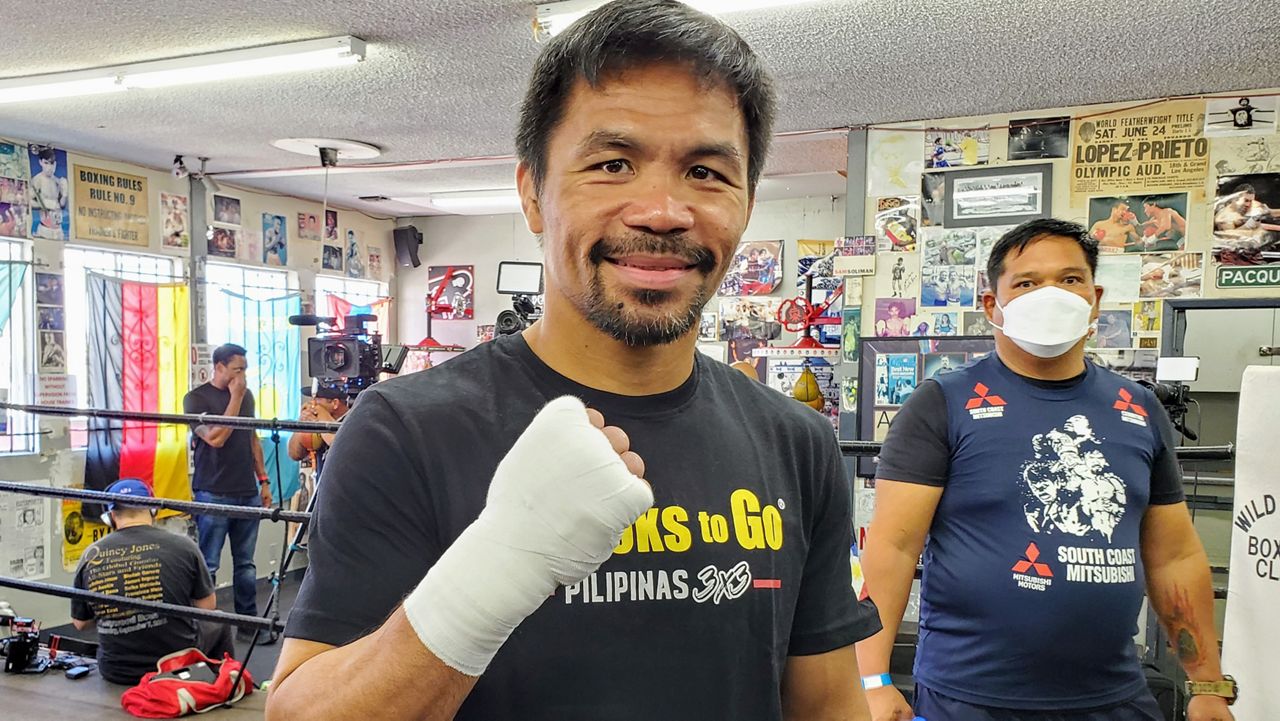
x=644, y=244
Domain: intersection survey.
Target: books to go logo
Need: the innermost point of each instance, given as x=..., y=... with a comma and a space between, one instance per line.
x=1030, y=573
x=985, y=404
x=1130, y=412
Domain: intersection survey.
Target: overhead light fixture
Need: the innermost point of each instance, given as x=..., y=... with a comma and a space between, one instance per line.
x=60, y=85
x=345, y=149
x=469, y=202
x=227, y=65
x=552, y=18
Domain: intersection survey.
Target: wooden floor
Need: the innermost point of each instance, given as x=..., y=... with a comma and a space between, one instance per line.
x=53, y=696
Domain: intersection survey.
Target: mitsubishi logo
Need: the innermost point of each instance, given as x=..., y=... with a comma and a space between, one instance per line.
x=1125, y=403
x=983, y=398
x=1030, y=562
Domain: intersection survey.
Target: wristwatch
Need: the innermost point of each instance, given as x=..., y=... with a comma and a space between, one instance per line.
x=1226, y=688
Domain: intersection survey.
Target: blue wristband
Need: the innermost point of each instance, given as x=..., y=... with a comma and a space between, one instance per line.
x=872, y=682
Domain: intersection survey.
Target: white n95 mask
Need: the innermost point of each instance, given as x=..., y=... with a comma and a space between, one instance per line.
x=1046, y=322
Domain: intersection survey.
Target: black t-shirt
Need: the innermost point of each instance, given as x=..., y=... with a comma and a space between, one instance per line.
x=228, y=470
x=154, y=565
x=743, y=561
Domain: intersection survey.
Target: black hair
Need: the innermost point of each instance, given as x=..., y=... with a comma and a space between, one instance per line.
x=1151, y=201
x=627, y=34
x=47, y=154
x=225, y=352
x=1029, y=232
x=1245, y=188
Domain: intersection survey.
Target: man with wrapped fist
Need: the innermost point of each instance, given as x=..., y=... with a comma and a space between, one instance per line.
x=520, y=561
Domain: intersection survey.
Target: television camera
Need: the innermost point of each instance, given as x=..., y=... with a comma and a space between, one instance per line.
x=521, y=281
x=1170, y=388
x=348, y=354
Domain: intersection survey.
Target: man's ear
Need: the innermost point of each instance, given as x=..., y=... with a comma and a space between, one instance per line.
x=529, y=198
x=1098, y=291
x=989, y=303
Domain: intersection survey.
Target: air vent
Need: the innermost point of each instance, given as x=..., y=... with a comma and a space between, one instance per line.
x=374, y=198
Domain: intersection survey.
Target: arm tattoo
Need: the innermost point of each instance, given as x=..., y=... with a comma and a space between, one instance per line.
x=1181, y=627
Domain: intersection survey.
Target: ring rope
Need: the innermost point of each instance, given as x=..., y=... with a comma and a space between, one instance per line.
x=168, y=609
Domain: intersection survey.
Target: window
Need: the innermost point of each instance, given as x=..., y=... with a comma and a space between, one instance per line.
x=77, y=264
x=249, y=282
x=356, y=292
x=17, y=355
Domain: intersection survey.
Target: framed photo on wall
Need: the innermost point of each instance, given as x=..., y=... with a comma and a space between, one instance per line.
x=998, y=196
x=889, y=371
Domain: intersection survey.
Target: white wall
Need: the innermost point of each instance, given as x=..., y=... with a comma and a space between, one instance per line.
x=484, y=241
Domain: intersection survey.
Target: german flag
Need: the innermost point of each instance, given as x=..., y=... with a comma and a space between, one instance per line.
x=139, y=360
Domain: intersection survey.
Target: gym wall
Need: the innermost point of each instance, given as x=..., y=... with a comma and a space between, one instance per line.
x=62, y=465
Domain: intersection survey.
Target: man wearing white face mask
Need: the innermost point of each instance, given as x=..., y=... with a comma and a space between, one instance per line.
x=1048, y=491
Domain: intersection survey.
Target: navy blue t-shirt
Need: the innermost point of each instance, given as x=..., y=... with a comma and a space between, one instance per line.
x=1032, y=570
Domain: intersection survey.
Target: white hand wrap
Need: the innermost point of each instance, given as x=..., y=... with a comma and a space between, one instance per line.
x=556, y=509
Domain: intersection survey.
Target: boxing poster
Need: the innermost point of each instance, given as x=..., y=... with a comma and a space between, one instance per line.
x=895, y=317
x=897, y=223
x=275, y=240
x=1158, y=147
x=111, y=206
x=308, y=227
x=956, y=148
x=14, y=202
x=449, y=291
x=1226, y=117
x=1245, y=155
x=1246, y=231
x=1115, y=223
x=48, y=192
x=1171, y=275
x=1039, y=138
x=354, y=260
x=756, y=269
x=894, y=163
x=25, y=531
x=78, y=533
x=855, y=255
x=173, y=215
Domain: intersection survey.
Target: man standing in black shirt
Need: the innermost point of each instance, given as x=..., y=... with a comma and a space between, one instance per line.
x=142, y=561
x=229, y=470
x=557, y=584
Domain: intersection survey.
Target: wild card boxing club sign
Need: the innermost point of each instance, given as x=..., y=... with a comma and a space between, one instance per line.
x=1251, y=638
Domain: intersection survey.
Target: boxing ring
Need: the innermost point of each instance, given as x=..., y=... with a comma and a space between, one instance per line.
x=269, y=623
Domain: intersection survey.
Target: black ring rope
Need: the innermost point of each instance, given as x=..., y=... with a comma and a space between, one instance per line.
x=178, y=419
x=169, y=504
x=168, y=609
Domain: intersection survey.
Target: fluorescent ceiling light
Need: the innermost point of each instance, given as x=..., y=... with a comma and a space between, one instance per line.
x=553, y=18
x=63, y=85
x=469, y=202
x=229, y=65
